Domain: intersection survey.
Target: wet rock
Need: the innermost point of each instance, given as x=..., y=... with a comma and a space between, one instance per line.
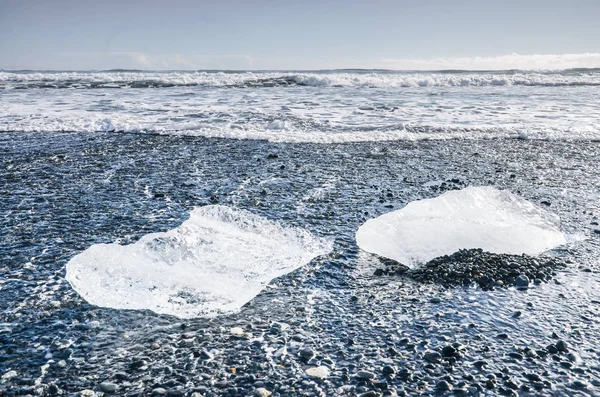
x=53, y=389
x=432, y=357
x=108, y=387
x=366, y=375
x=562, y=346
x=522, y=281
x=579, y=384
x=262, y=392
x=449, y=351
x=443, y=386
x=370, y=393
x=306, y=353
x=320, y=372
x=479, y=364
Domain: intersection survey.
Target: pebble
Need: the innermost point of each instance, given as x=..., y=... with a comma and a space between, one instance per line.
x=53, y=389
x=306, y=353
x=370, y=393
x=449, y=351
x=108, y=387
x=579, y=384
x=432, y=357
x=320, y=372
x=236, y=331
x=522, y=282
x=366, y=375
x=443, y=386
x=9, y=375
x=206, y=355
x=159, y=391
x=262, y=392
x=562, y=346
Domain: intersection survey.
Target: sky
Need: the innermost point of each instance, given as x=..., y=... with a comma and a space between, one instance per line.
x=299, y=34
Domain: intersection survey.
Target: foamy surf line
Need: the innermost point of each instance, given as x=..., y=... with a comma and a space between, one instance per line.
x=339, y=137
x=365, y=79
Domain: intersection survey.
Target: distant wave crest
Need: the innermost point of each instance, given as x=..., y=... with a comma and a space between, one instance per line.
x=361, y=79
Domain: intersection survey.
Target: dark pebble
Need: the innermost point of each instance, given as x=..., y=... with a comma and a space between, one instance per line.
x=443, y=386
x=432, y=357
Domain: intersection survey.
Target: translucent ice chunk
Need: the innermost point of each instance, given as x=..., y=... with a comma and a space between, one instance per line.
x=475, y=217
x=213, y=263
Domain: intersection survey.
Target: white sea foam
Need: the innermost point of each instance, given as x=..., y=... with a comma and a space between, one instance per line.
x=336, y=108
x=315, y=79
x=475, y=217
x=213, y=263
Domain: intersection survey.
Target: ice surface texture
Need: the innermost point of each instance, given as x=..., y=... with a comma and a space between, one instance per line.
x=475, y=217
x=213, y=263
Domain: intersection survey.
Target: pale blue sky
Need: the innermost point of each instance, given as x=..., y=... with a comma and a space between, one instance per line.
x=179, y=34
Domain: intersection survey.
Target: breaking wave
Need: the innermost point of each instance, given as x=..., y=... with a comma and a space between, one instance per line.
x=361, y=79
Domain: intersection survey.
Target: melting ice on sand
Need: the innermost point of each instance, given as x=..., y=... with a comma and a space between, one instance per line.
x=213, y=263
x=475, y=217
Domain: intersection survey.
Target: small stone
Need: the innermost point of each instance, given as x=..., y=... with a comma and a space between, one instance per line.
x=562, y=346
x=306, y=353
x=516, y=355
x=435, y=300
x=449, y=351
x=388, y=370
x=320, y=372
x=480, y=364
x=443, y=386
x=236, y=331
x=159, y=391
x=9, y=375
x=53, y=389
x=432, y=357
x=108, y=387
x=61, y=364
x=522, y=282
x=579, y=384
x=366, y=375
x=370, y=393
x=262, y=392
x=87, y=393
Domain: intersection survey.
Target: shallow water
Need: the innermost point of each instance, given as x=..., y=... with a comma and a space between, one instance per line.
x=326, y=107
x=63, y=192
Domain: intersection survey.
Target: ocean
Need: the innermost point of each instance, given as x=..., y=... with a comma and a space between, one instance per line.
x=195, y=233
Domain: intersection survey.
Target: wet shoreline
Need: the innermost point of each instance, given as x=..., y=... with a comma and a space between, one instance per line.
x=377, y=335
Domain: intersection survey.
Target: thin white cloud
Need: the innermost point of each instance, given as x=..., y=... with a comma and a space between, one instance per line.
x=140, y=60
x=501, y=62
